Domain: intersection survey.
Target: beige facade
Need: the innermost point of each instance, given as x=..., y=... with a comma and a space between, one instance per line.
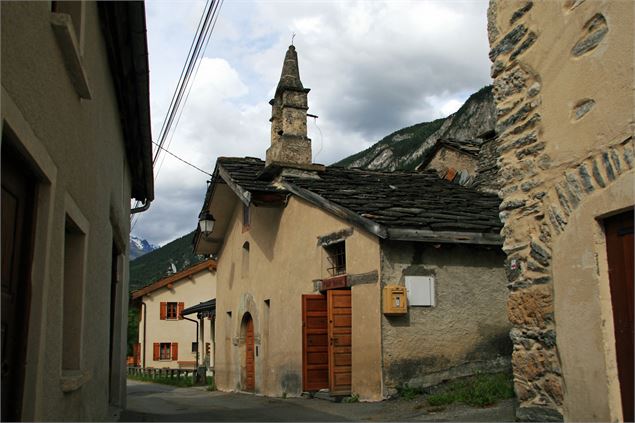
x=61, y=120
x=187, y=288
x=564, y=93
x=283, y=260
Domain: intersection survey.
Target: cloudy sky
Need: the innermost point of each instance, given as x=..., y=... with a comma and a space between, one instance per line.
x=373, y=67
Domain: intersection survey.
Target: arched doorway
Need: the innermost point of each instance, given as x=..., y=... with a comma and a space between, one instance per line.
x=247, y=328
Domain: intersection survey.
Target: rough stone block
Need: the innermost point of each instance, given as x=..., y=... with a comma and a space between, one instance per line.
x=530, y=307
x=538, y=414
x=593, y=32
x=508, y=42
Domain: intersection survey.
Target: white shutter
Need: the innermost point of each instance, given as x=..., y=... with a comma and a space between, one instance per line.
x=420, y=290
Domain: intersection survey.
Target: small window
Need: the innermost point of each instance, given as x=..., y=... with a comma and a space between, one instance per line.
x=165, y=351
x=73, y=294
x=336, y=257
x=171, y=311
x=245, y=260
x=194, y=347
x=420, y=290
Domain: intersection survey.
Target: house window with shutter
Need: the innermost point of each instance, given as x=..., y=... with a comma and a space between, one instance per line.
x=166, y=351
x=171, y=310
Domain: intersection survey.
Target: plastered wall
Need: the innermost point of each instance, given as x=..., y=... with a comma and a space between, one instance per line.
x=563, y=87
x=284, y=259
x=76, y=149
x=191, y=291
x=464, y=333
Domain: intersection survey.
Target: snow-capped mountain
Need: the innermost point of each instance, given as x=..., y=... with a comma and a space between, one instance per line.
x=139, y=247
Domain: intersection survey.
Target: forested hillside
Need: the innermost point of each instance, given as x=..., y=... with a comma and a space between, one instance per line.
x=154, y=265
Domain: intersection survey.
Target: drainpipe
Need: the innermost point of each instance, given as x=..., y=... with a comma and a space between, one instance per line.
x=195, y=321
x=145, y=320
x=145, y=206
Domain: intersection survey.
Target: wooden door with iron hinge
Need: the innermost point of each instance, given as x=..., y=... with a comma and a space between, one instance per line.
x=18, y=211
x=315, y=361
x=250, y=379
x=619, y=249
x=340, y=337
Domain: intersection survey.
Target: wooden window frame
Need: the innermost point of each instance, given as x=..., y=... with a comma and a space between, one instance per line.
x=172, y=310
x=336, y=258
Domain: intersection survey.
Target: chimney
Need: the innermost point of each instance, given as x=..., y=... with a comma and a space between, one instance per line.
x=290, y=146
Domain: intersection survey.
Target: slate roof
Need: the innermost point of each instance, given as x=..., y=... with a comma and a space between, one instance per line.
x=205, y=308
x=404, y=200
x=467, y=146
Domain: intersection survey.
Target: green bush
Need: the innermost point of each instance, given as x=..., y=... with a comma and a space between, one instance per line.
x=478, y=391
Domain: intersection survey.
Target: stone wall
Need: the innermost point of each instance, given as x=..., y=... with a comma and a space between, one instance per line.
x=563, y=90
x=465, y=332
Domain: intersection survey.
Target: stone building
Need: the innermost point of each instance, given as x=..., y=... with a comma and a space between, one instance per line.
x=471, y=163
x=166, y=339
x=76, y=148
x=563, y=86
x=348, y=280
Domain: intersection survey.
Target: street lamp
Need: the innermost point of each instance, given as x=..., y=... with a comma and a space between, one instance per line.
x=206, y=223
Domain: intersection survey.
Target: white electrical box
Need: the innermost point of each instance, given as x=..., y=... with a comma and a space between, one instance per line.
x=420, y=290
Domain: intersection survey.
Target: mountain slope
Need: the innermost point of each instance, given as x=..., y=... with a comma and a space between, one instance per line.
x=404, y=149
x=154, y=265
x=139, y=247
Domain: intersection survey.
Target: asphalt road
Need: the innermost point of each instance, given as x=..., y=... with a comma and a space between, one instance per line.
x=154, y=403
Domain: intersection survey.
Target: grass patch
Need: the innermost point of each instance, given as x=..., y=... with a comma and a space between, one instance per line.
x=478, y=391
x=408, y=392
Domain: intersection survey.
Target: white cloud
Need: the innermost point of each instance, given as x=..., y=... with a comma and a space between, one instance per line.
x=373, y=67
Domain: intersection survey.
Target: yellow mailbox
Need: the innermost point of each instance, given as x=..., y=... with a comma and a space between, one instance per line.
x=395, y=302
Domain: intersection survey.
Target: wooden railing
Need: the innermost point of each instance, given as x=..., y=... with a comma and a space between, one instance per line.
x=158, y=373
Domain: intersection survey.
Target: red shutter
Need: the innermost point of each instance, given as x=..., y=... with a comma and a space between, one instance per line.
x=156, y=351
x=163, y=310
x=180, y=310
x=175, y=351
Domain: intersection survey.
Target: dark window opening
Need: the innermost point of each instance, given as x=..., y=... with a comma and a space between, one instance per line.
x=171, y=311
x=194, y=347
x=336, y=257
x=165, y=351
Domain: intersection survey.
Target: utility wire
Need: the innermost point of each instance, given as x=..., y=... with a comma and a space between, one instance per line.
x=183, y=160
x=205, y=27
x=217, y=6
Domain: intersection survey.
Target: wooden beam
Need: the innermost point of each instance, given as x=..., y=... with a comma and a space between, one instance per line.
x=243, y=195
x=339, y=211
x=426, y=235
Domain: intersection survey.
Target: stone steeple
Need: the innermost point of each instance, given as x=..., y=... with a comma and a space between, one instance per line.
x=290, y=145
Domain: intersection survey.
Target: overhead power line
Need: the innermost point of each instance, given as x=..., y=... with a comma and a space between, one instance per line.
x=183, y=160
x=204, y=30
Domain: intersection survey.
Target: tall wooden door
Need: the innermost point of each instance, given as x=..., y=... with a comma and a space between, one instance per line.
x=18, y=206
x=315, y=361
x=340, y=334
x=250, y=365
x=619, y=246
